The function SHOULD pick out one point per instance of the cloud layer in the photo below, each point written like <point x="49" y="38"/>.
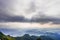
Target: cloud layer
<point x="41" y="11"/>
<point x="18" y="17"/>
<point x="20" y="32"/>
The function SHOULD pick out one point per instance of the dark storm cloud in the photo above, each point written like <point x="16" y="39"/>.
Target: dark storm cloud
<point x="43" y="18"/>
<point x="7" y="18"/>
<point x="47" y="20"/>
<point x="5" y="14"/>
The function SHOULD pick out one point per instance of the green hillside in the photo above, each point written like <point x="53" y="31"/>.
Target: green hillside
<point x="26" y="37"/>
<point x="4" y="37"/>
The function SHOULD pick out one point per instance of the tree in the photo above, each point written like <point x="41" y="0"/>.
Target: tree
<point x="38" y="38"/>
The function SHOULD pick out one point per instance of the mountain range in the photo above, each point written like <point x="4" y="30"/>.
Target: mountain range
<point x="45" y="36"/>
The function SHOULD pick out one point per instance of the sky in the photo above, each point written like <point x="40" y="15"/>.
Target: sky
<point x="29" y="14"/>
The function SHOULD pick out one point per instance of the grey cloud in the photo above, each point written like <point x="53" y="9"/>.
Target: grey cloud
<point x="5" y="14"/>
<point x="7" y="18"/>
<point x="47" y="20"/>
<point x="32" y="7"/>
<point x="42" y="19"/>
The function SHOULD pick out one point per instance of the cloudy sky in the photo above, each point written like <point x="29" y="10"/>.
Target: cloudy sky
<point x="29" y="14"/>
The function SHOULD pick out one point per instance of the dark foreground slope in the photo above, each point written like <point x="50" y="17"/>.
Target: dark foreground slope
<point x="5" y="37"/>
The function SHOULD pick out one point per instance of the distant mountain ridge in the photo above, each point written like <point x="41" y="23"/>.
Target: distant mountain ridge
<point x="45" y="36"/>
